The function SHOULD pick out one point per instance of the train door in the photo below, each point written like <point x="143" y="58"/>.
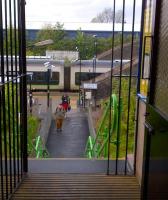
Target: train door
<point x="67" y="79"/>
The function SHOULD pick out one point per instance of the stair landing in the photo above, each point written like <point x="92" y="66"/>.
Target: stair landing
<point x="77" y="186"/>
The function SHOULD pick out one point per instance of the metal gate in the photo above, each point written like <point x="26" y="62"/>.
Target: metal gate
<point x="13" y="100"/>
<point x="118" y="145"/>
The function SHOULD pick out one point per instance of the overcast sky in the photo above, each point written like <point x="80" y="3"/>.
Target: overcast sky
<point x="73" y="10"/>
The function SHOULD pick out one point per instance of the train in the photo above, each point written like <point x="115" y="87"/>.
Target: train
<point x="63" y="76"/>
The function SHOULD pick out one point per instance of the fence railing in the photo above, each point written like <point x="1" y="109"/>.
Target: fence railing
<point x="13" y="100"/>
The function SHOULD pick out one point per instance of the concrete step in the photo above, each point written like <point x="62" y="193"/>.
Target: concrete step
<point x="75" y="165"/>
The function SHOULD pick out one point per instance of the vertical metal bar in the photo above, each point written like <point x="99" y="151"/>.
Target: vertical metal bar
<point x="20" y="90"/>
<point x="16" y="84"/>
<point x="1" y="132"/>
<point x="111" y="85"/>
<point x="13" y="104"/>
<point x="120" y="88"/>
<point x="129" y="86"/>
<point x="3" y="99"/>
<point x="141" y="45"/>
<point x="1" y="103"/>
<point x="24" y="93"/>
<point x="7" y="13"/>
<point x="5" y="134"/>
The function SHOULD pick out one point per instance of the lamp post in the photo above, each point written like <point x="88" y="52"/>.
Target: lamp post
<point x="80" y="64"/>
<point x="30" y="93"/>
<point x="94" y="64"/>
<point x="95" y="56"/>
<point x="49" y="75"/>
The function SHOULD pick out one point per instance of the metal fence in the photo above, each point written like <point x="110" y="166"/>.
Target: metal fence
<point x="120" y="81"/>
<point x="13" y="109"/>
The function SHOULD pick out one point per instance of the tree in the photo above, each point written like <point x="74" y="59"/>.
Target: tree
<point x="106" y="16"/>
<point x="56" y="33"/>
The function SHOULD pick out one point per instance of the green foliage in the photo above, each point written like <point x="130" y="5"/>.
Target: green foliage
<point x="84" y="42"/>
<point x="56" y="33"/>
<point x="33" y="126"/>
<point x="12" y="124"/>
<point x="11" y="116"/>
<point x="124" y="117"/>
<point x="11" y="40"/>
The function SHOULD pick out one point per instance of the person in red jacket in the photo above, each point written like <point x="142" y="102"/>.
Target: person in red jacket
<point x="66" y="102"/>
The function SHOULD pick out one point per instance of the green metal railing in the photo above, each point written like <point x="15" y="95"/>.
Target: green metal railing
<point x="41" y="152"/>
<point x="38" y="150"/>
<point x="98" y="146"/>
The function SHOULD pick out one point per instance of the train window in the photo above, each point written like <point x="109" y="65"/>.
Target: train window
<point x="85" y="76"/>
<point x="41" y="78"/>
<point x="55" y="78"/>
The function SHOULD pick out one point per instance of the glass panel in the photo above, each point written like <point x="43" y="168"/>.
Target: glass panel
<point x="147" y="45"/>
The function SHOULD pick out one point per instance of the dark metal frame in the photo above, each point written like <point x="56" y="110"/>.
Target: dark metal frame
<point x="155" y="25"/>
<point x="121" y="76"/>
<point x="150" y="97"/>
<point x="13" y="96"/>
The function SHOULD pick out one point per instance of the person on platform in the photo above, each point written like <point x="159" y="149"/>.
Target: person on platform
<point x="66" y="102"/>
<point x="59" y="116"/>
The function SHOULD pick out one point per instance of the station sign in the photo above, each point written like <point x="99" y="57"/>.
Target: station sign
<point x="91" y="86"/>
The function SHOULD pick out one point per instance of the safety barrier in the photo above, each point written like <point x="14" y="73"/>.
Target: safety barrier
<point x="98" y="146"/>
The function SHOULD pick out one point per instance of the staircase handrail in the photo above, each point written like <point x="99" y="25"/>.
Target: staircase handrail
<point x="92" y="143"/>
<point x="39" y="149"/>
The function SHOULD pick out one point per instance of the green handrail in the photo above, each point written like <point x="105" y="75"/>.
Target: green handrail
<point x="95" y="146"/>
<point x="41" y="152"/>
<point x="90" y="146"/>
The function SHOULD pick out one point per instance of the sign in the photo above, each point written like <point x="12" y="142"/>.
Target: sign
<point x="88" y="95"/>
<point x="91" y="86"/>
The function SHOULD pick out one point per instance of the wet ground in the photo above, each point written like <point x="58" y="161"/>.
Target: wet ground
<point x="71" y="142"/>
